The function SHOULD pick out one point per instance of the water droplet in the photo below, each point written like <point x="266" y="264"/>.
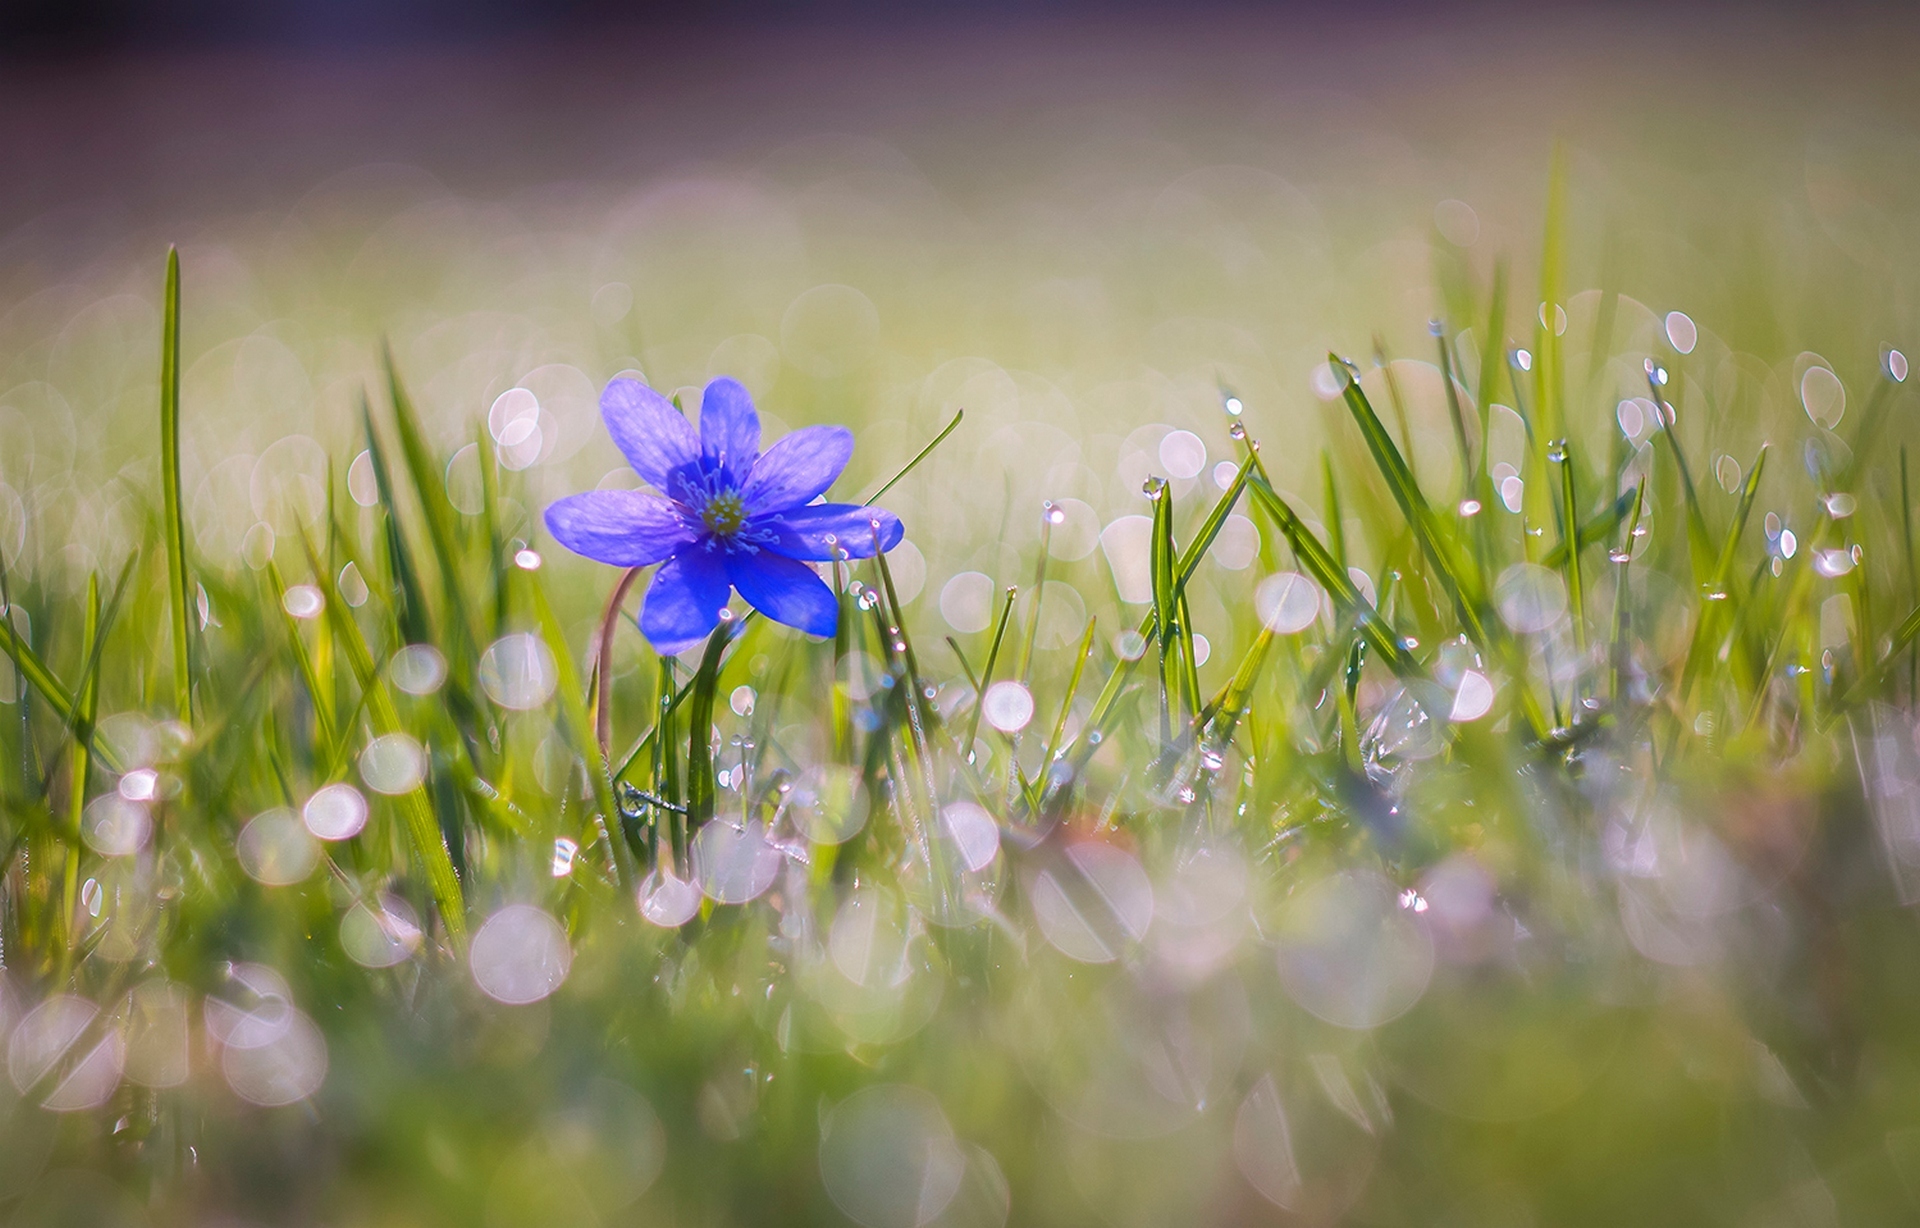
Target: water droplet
<point x="335" y="812"/>
<point x="1233" y="405"/>
<point x="380" y="934"/>
<point x="1681" y="332"/>
<point x="828" y="804"/>
<point x="520" y="955"/>
<point x="527" y="560"/>
<point x="112" y="826"/>
<point x="1469" y="507"/>
<point x="1895" y="364"/>
<point x="1512" y="491"/>
<point x="417" y="669"/>
<point x="140" y="785"/>
<point x="393" y="764"/>
<point x="1237" y="432"/>
<point x="1007" y="706"/>
<point x="667" y="901"/>
<point x="303" y="601"/>
<point x="889" y="1159"/>
<point x="518" y="672"/>
<point x="1287" y="601"/>
<point x="1520" y="359"/>
<point x="1840" y="505"/>
<point x="353" y="589"/>
<point x="972" y="832"/>
<point x="1726" y="471"/>
<point x="564" y="852"/>
<point x="1557" y="452"/>
<point x="1154" y="487"/>
<point x="742" y="700"/>
<point x="1832" y="563"/>
<point x="1435" y="328"/>
<point x="1618" y="556"/>
<point x="1473" y="698"/>
<point x="1092" y="920"/>
<point x="276" y="849"/>
<point x="734" y="864"/>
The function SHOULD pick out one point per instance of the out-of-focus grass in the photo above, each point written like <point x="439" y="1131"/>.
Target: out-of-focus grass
<point x="1486" y="798"/>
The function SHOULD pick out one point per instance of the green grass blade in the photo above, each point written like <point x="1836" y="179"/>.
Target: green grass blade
<point x="416" y="809"/>
<point x="919" y="456"/>
<point x="1319" y="564"/>
<point x="706" y="680"/>
<point x="175" y="525"/>
<point x="1460" y="587"/>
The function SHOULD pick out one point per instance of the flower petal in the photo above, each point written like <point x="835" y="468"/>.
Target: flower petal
<point x="626" y="528"/>
<point x="785" y="591"/>
<point x="684" y="604"/>
<point x="802" y="533"/>
<point x="656" y="438"/>
<point x="729" y="431"/>
<point x="797" y="469"/>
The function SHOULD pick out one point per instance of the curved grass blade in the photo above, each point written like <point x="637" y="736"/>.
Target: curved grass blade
<point x="1461" y="588"/>
<point x="175" y="526"/>
<point x="700" y="781"/>
<point x="919" y="456"/>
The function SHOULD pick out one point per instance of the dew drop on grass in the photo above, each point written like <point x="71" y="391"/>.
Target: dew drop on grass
<point x="1092" y="901"/>
<point x="353" y="589"/>
<point x="1788" y="543"/>
<point x="666" y="900"/>
<point x="1184" y="454"/>
<point x="335" y="812"/>
<point x="417" y="669"/>
<point x="1833" y="563"/>
<point x="393" y="763"/>
<point x="1287" y="602"/>
<point x="362" y="483"/>
<point x="112" y="826"/>
<point x="1530" y="598"/>
<point x="966" y="602"/>
<point x="889" y="1158"/>
<point x="1824" y="396"/>
<point x="527" y="560"/>
<point x="1512" y="490"/>
<point x="1632" y="421"/>
<point x="140" y="785"/>
<point x="867" y="941"/>
<point x="1681" y="332"/>
<point x="1840" y="505"/>
<point x="1473" y="699"/>
<point x="520" y="955"/>
<point x="734" y="864"/>
<point x="1895" y="365"/>
<point x="972" y="833"/>
<point x="276" y="849"/>
<point x="285" y="1070"/>
<point x="1726" y="471"/>
<point x="828" y="804"/>
<point x="1007" y="706"/>
<point x="303" y="601"/>
<point x="741" y="701"/>
<point x="380" y="933"/>
<point x="517" y="671"/>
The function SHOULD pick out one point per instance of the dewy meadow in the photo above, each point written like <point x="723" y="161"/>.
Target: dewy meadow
<point x="1256" y="769"/>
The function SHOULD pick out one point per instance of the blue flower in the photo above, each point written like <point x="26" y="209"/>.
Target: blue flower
<point x="726" y="516"/>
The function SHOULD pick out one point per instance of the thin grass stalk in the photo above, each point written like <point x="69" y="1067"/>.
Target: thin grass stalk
<point x="171" y="512"/>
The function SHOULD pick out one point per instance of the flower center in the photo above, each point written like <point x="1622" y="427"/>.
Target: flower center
<point x="724" y="514"/>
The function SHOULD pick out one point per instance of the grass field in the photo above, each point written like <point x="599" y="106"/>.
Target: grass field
<point x="1395" y="705"/>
